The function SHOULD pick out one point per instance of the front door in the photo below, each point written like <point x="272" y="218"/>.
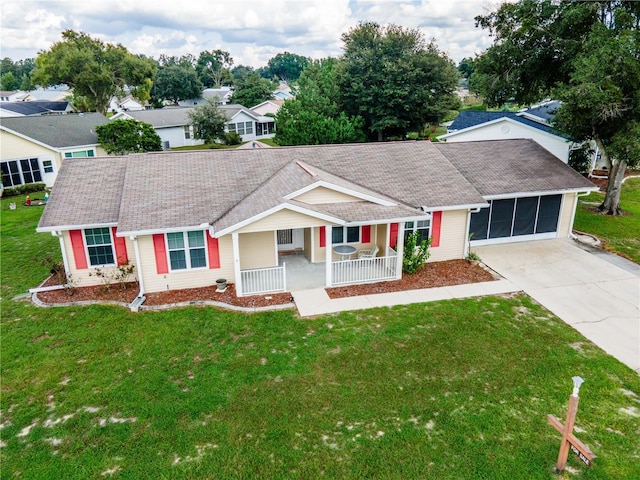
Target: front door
<point x="290" y="239"/>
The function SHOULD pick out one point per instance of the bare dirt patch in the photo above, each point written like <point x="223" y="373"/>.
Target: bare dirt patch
<point x="437" y="274"/>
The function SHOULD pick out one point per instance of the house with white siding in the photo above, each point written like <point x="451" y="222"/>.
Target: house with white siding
<point x="186" y="219"/>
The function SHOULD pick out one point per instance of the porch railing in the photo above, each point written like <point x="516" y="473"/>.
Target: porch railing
<point x="365" y="270"/>
<point x="264" y="280"/>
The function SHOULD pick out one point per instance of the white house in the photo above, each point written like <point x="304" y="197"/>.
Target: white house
<point x="270" y="107"/>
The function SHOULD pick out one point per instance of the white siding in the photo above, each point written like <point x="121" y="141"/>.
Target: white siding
<point x="566" y="215"/>
<point x="505" y="130"/>
<point x="175" y="137"/>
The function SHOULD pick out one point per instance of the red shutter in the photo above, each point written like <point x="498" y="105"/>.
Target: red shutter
<point x="366" y="233"/>
<point x="77" y="245"/>
<point x="393" y="235"/>
<point x="121" y="248"/>
<point x="436" y="221"/>
<point x="323" y="236"/>
<point x="161" y="253"/>
<point x="214" y="251"/>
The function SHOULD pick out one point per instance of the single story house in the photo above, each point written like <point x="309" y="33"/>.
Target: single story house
<point x="186" y="219"/>
<point x="32" y="148"/>
<point x="221" y="95"/>
<point x="534" y="123"/>
<point x="271" y="107"/>
<point x="35" y="107"/>
<point x="172" y="124"/>
<point x="125" y="104"/>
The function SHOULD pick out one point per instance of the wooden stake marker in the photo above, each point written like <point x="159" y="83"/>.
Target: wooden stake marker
<point x="569" y="440"/>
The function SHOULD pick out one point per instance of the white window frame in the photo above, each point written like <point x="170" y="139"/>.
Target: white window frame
<point x="47" y="166"/>
<point x="187" y="251"/>
<point x="87" y="247"/>
<point x="88" y="153"/>
<point x="187" y="132"/>
<point x="415" y="227"/>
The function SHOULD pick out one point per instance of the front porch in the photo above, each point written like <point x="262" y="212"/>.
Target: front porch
<point x="296" y="272"/>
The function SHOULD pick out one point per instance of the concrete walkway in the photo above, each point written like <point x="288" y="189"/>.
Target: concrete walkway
<point x="597" y="293"/>
<point x="317" y="302"/>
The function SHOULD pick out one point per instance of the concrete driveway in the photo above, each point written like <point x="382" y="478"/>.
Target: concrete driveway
<point x="592" y="293"/>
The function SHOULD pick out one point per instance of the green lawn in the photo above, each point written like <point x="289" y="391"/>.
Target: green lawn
<point x="446" y="390"/>
<point x="619" y="234"/>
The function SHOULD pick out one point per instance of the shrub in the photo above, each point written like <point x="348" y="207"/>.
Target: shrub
<point x="231" y="138"/>
<point x="119" y="275"/>
<point x="415" y="256"/>
<point x="580" y="158"/>
<point x="24" y="189"/>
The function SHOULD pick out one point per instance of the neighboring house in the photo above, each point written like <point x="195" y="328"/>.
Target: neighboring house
<point x="125" y="104"/>
<point x="271" y="107"/>
<point x="247" y="124"/>
<point x="33" y="148"/>
<point x="13" y="96"/>
<point x="51" y="94"/>
<point x="283" y="92"/>
<point x="36" y="107"/>
<point x="222" y="96"/>
<point x="170" y="123"/>
<point x="534" y="123"/>
<point x="186" y="219"/>
<point x="173" y="124"/>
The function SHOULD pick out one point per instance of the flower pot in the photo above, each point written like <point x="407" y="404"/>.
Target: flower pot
<point x="221" y="283"/>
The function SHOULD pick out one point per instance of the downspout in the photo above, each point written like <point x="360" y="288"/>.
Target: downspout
<point x="573" y="214"/>
<point x="467" y="241"/>
<point x="138" y="263"/>
<point x="65" y="260"/>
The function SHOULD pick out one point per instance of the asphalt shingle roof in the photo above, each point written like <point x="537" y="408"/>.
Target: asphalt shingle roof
<point x="59" y="131"/>
<point x="498" y="167"/>
<point x="173" y="190"/>
<point x="36" y="107"/>
<point x="471" y="118"/>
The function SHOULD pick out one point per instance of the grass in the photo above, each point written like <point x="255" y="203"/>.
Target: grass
<point x="205" y="146"/>
<point x="446" y="390"/>
<point x="619" y="234"/>
<point x="268" y="141"/>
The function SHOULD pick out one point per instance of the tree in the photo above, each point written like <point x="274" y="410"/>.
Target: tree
<point x="395" y="80"/>
<point x="9" y="82"/>
<point x="287" y="67"/>
<point x="239" y="73"/>
<point x="208" y="121"/>
<point x="121" y="137"/>
<point x="176" y="81"/>
<point x="252" y="90"/>
<point x="314" y="116"/>
<point x="586" y="54"/>
<point x="213" y="68"/>
<point x="91" y="68"/>
<point x="465" y="67"/>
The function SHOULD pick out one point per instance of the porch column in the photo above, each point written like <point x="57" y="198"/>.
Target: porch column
<point x="328" y="257"/>
<point x="65" y="260"/>
<point x="136" y="249"/>
<point x="400" y="249"/>
<point x="236" y="263"/>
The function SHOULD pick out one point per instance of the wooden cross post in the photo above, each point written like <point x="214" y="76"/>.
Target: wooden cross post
<point x="569" y="441"/>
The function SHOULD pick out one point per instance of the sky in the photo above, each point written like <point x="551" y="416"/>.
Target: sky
<point x="251" y="31"/>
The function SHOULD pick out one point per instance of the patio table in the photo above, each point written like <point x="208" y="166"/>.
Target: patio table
<point x="345" y="251"/>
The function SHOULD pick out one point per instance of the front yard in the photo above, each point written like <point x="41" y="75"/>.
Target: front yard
<point x="447" y="390"/>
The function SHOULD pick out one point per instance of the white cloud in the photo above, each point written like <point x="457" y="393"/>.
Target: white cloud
<point x="251" y="30"/>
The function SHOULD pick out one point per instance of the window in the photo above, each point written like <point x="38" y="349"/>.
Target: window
<point x="338" y="234"/>
<point x="48" y="166"/>
<point x="100" y="246"/>
<point x="187" y="132"/>
<point x="421" y="226"/>
<point x="80" y="154"/>
<point x="19" y="172"/>
<point x="186" y="250"/>
<point x="241" y="128"/>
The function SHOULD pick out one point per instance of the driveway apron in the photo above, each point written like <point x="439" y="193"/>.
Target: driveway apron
<point x="594" y="296"/>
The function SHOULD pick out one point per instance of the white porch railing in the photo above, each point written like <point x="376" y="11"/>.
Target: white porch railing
<point x="364" y="270"/>
<point x="264" y="280"/>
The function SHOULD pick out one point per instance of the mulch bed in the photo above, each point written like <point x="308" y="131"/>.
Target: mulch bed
<point x="437" y="274"/>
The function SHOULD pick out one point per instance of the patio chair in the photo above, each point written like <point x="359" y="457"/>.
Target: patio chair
<point x="371" y="253"/>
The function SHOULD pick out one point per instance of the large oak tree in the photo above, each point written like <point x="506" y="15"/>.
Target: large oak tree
<point x="395" y="80"/>
<point x="92" y="69"/>
<point x="586" y="54"/>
